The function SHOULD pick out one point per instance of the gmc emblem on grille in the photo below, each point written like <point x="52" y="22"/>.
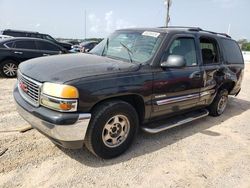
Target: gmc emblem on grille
<point x="23" y="86"/>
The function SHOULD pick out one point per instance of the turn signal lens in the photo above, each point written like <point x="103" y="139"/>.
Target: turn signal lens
<point x="62" y="105"/>
<point x="60" y="91"/>
<point x="65" y="106"/>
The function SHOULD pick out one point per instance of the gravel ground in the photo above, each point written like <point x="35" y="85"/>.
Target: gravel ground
<point x="211" y="152"/>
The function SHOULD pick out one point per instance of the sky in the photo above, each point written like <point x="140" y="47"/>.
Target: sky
<point x="65" y="18"/>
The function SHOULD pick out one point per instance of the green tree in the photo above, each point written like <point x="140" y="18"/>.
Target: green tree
<point x="246" y="46"/>
<point x="242" y="41"/>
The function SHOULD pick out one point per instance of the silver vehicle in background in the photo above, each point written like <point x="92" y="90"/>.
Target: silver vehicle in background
<point x="5" y="37"/>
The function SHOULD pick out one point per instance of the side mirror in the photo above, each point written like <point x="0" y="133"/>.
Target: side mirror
<point x="174" y="61"/>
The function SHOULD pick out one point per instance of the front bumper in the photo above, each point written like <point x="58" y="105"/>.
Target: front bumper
<point x="65" y="129"/>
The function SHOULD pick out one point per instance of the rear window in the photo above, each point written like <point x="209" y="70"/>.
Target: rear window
<point x="232" y="52"/>
<point x="25" y="45"/>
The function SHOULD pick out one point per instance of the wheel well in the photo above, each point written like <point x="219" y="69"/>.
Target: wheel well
<point x="136" y="101"/>
<point x="228" y="86"/>
<point x="9" y="58"/>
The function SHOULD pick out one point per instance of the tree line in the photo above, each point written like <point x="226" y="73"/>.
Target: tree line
<point x="244" y="44"/>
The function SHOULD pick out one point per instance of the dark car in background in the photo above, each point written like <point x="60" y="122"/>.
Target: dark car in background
<point x="19" y="33"/>
<point x="84" y="47"/>
<point x="87" y="46"/>
<point x="16" y="50"/>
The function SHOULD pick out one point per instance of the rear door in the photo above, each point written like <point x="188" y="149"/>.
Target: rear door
<point x="177" y="89"/>
<point x="24" y="50"/>
<point x="48" y="48"/>
<point x="233" y="60"/>
<point x="211" y="66"/>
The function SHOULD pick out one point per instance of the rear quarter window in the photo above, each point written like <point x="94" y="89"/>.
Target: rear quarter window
<point x="232" y="52"/>
<point x="9" y="44"/>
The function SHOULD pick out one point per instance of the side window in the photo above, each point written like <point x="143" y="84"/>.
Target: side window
<point x="9" y="44"/>
<point x="183" y="47"/>
<point x="14" y="34"/>
<point x="47" y="46"/>
<point x="33" y="35"/>
<point x="22" y="44"/>
<point x="209" y="51"/>
<point x="47" y="37"/>
<point x="232" y="52"/>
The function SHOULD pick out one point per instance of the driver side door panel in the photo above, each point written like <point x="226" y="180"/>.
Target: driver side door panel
<point x="177" y="89"/>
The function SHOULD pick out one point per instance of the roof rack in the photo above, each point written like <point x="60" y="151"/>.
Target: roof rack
<point x="181" y="27"/>
<point x="215" y="33"/>
<point x="197" y="29"/>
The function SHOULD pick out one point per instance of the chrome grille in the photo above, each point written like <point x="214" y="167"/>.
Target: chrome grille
<point x="29" y="89"/>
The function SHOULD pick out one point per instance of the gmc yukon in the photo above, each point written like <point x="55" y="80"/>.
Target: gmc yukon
<point x="150" y="78"/>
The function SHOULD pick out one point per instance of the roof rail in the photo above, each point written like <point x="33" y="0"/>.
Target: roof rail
<point x="181" y="27"/>
<point x="197" y="29"/>
<point x="215" y="33"/>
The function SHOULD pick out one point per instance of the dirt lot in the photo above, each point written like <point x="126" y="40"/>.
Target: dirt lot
<point x="212" y="152"/>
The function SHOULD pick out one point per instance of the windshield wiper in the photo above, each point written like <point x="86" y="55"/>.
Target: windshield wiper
<point x="129" y="52"/>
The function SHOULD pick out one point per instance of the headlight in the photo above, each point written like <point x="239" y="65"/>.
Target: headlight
<point x="59" y="97"/>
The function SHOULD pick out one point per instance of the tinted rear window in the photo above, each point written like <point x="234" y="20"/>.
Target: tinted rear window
<point x="25" y="45"/>
<point x="232" y="52"/>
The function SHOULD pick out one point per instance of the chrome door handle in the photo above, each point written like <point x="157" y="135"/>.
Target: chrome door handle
<point x="45" y="54"/>
<point x="195" y="75"/>
<point x="18" y="52"/>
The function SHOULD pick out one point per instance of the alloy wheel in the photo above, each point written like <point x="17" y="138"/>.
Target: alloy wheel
<point x="9" y="69"/>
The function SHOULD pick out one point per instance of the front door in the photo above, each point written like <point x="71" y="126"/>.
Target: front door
<point x="176" y="89"/>
<point x="47" y="48"/>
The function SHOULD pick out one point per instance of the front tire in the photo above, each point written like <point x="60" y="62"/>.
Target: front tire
<point x="112" y="129"/>
<point x="8" y="68"/>
<point x="219" y="104"/>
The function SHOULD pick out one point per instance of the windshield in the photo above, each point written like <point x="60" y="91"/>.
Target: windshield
<point x="47" y="37"/>
<point x="133" y="46"/>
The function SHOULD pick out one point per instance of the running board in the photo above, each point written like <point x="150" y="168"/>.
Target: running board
<point x="175" y="121"/>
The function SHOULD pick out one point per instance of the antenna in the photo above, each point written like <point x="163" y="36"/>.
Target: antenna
<point x="85" y="23"/>
<point x="168" y="4"/>
<point x="229" y="29"/>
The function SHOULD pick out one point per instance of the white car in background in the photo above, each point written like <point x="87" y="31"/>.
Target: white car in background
<point x="5" y="37"/>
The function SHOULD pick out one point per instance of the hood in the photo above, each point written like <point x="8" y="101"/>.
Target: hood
<point x="63" y="68"/>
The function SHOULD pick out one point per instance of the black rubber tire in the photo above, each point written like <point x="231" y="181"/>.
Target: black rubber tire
<point x="213" y="108"/>
<point x="2" y="66"/>
<point x="100" y="115"/>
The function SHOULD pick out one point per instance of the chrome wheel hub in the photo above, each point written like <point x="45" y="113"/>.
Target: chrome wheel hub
<point x="10" y="69"/>
<point x="115" y="131"/>
<point x="222" y="104"/>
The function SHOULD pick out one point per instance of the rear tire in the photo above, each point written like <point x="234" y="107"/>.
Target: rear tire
<point x="219" y="104"/>
<point x="112" y="129"/>
<point x="8" y="68"/>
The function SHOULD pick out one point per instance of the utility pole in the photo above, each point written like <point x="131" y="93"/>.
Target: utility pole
<point x="229" y="29"/>
<point x="85" y="24"/>
<point x="168" y="4"/>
